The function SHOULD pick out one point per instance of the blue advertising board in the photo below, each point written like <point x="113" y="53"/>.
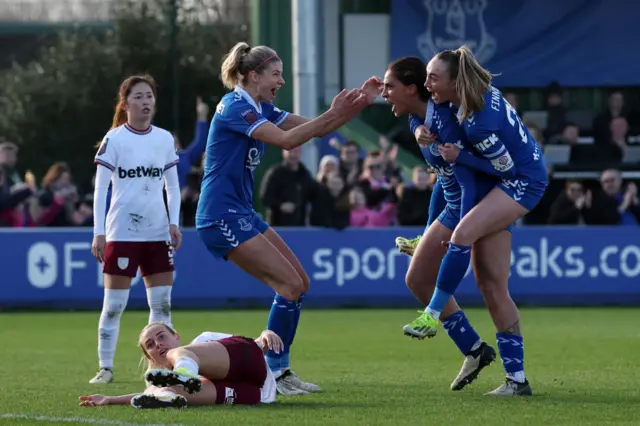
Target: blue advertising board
<point x="529" y="42"/>
<point x="54" y="268"/>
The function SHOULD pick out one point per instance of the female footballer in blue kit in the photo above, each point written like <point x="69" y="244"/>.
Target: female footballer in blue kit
<point x="496" y="132"/>
<point x="456" y="191"/>
<point x="244" y="121"/>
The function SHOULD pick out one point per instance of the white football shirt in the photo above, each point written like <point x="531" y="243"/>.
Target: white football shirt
<point x="138" y="161"/>
<point x="268" y="390"/>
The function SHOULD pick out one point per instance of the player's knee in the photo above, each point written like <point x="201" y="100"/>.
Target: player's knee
<point x="113" y="309"/>
<point x="292" y="289"/>
<point x="111" y="314"/>
<point x="159" y="300"/>
<point x="417" y="283"/>
<point x="173" y="355"/>
<point x="464" y="235"/>
<point x="292" y="293"/>
<point x="161" y="308"/>
<point x="411" y="281"/>
<point x="306" y="282"/>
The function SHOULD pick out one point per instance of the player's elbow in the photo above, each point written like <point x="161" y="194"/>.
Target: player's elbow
<point x="289" y="142"/>
<point x="284" y="140"/>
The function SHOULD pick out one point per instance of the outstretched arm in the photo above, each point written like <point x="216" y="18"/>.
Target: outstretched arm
<point x="292" y="121"/>
<point x="371" y="89"/>
<point x="101" y="400"/>
<point x="345" y="106"/>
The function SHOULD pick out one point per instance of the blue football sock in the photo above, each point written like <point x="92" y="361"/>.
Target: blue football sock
<point x="281" y="320"/>
<point x="296" y="319"/>
<point x="452" y="269"/>
<point x="511" y="348"/>
<point x="285" y="362"/>
<point x="461" y="332"/>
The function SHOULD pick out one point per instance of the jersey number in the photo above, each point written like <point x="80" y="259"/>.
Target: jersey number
<point x="513" y="118"/>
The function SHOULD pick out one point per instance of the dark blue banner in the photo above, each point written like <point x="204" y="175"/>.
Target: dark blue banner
<point x="54" y="268"/>
<point x="530" y="42"/>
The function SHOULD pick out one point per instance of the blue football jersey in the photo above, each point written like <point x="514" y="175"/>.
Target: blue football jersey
<point x="498" y="134"/>
<point x="463" y="187"/>
<point x="442" y="169"/>
<point x="232" y="155"/>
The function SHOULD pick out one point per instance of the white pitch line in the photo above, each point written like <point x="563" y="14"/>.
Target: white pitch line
<point x="89" y="420"/>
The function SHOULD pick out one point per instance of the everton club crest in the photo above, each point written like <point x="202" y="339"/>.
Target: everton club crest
<point x="452" y="23"/>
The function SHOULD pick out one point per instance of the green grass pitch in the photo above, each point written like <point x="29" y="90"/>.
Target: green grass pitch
<point x="582" y="365"/>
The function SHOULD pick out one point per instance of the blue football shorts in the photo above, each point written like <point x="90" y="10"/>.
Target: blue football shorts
<point x="223" y="235"/>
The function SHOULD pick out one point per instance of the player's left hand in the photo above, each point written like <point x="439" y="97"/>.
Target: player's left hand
<point x="349" y="103"/>
<point x="176" y="237"/>
<point x="424" y="137"/>
<point x="449" y="152"/>
<point x="372" y="88"/>
<point x="94" y="400"/>
<point x="271" y="340"/>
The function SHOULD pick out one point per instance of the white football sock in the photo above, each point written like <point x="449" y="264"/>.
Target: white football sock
<point x="518" y="376"/>
<point x="113" y="305"/>
<point x="159" y="299"/>
<point x="188" y="364"/>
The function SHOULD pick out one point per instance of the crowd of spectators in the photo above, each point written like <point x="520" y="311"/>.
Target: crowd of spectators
<point x="355" y="188"/>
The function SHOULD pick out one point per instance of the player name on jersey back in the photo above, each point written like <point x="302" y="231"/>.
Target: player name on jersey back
<point x="138" y="161"/>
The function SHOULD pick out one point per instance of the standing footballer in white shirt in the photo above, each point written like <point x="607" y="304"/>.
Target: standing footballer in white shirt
<point x="138" y="159"/>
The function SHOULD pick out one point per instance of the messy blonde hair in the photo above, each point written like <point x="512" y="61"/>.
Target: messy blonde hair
<point x="146" y="360"/>
<point x="472" y="80"/>
<point x="242" y="59"/>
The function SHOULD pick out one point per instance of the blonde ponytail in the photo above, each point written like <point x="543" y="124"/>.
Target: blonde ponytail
<point x="472" y="82"/>
<point x="230" y="70"/>
<point x="242" y="59"/>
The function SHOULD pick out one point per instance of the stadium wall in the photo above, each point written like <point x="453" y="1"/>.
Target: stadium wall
<point x="53" y="268"/>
